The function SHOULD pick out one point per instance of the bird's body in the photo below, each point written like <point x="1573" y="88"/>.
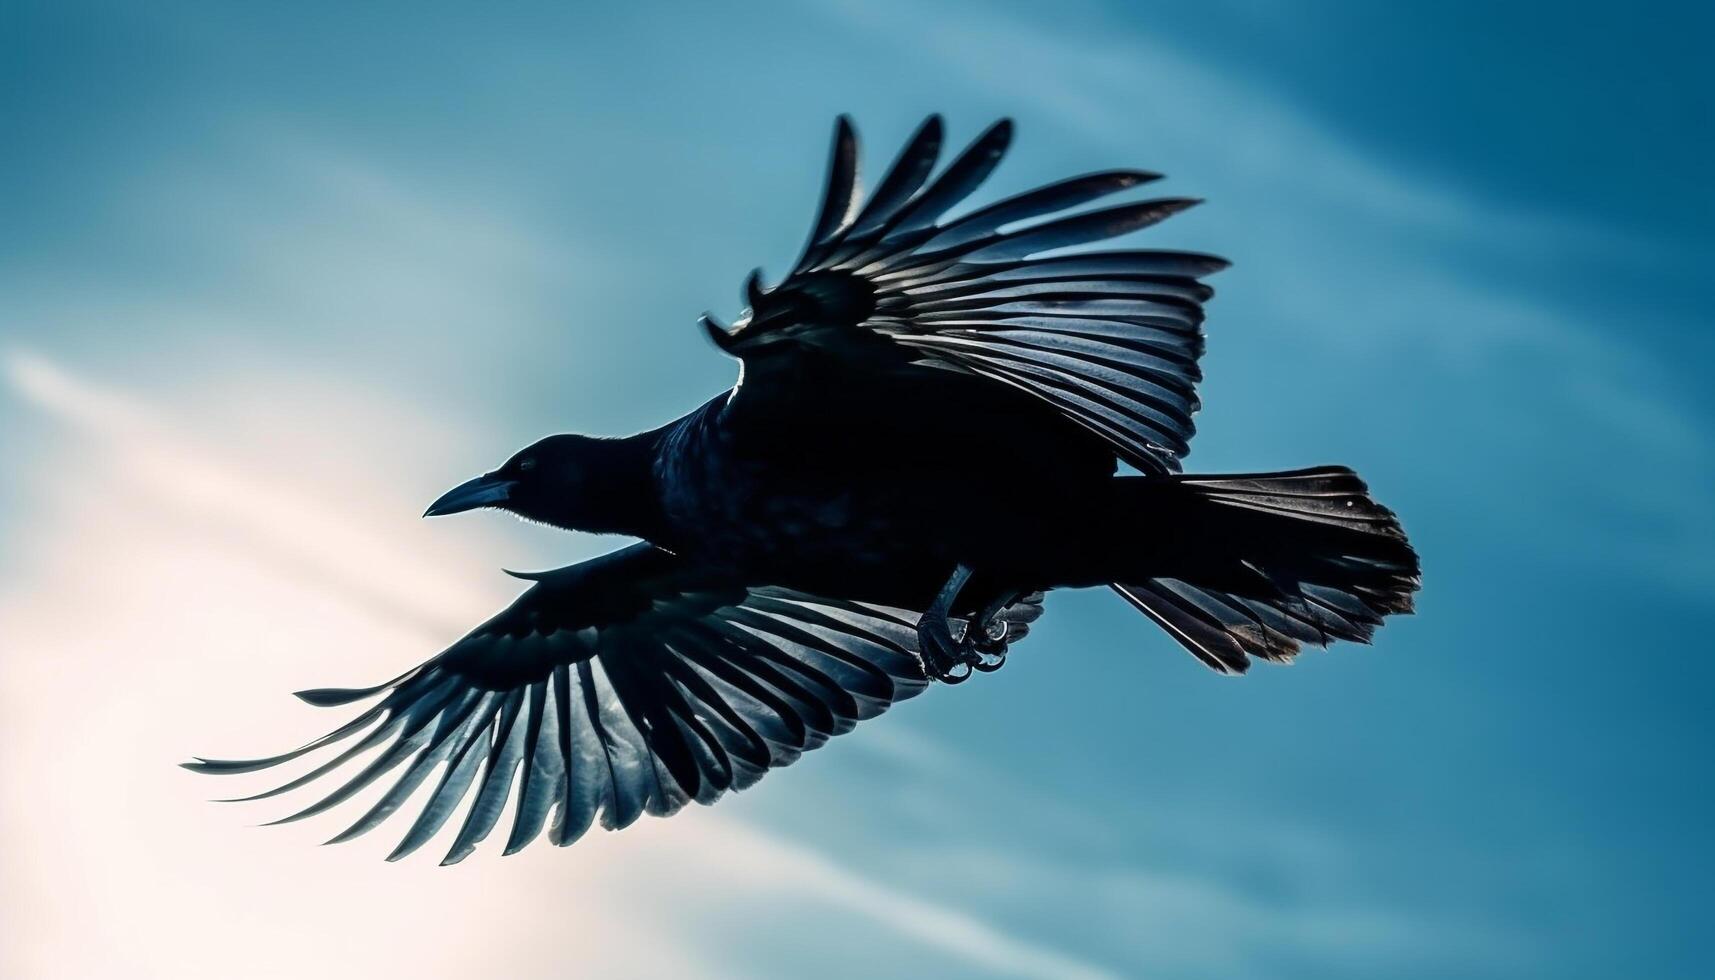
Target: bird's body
<point x="927" y="435"/>
<point x="878" y="497"/>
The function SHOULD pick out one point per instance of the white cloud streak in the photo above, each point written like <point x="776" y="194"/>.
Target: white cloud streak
<point x="1128" y="88"/>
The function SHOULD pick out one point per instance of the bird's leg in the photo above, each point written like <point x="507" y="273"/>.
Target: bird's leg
<point x="943" y="656"/>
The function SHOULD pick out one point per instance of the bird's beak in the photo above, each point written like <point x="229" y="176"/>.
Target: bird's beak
<point x="484" y="491"/>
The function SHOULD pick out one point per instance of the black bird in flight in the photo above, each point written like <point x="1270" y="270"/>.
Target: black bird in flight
<point x="924" y="439"/>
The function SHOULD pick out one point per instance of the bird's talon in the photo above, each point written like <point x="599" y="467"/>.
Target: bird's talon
<point x="991" y="639"/>
<point x="956" y="676"/>
<point x="946" y="658"/>
<point x="953" y="659"/>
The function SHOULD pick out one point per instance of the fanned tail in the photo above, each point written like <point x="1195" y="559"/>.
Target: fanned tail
<point x="1257" y="565"/>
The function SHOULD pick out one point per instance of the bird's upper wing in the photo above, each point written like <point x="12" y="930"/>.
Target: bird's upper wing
<point x="631" y="683"/>
<point x="1109" y="339"/>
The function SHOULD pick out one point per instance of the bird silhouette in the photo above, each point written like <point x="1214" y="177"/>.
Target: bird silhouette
<point x="927" y="435"/>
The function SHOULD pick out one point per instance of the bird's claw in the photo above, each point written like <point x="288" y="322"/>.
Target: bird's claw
<point x="989" y="644"/>
<point x="952" y="660"/>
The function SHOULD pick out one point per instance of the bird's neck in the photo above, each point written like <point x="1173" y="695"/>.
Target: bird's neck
<point x="624" y="500"/>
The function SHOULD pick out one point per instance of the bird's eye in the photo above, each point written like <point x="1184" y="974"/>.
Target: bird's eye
<point x="526" y="464"/>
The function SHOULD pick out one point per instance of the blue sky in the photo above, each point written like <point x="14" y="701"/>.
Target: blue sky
<point x="272" y="279"/>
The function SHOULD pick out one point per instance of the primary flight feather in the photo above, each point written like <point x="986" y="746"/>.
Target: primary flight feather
<point x="926" y="438"/>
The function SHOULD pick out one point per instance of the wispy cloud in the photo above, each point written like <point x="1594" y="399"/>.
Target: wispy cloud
<point x="1127" y="88"/>
<point x="1186" y="901"/>
<point x="976" y="943"/>
<point x="159" y="469"/>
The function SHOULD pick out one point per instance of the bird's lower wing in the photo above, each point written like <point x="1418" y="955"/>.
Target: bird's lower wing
<point x="632" y="683"/>
<point x="1109" y="340"/>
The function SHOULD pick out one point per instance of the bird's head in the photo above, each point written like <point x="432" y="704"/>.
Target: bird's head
<point x="559" y="480"/>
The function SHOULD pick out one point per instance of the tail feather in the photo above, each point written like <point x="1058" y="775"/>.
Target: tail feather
<point x="1264" y="563"/>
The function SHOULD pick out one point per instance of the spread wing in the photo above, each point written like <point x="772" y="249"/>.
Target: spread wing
<point x="1108" y="339"/>
<point x="628" y="684"/>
